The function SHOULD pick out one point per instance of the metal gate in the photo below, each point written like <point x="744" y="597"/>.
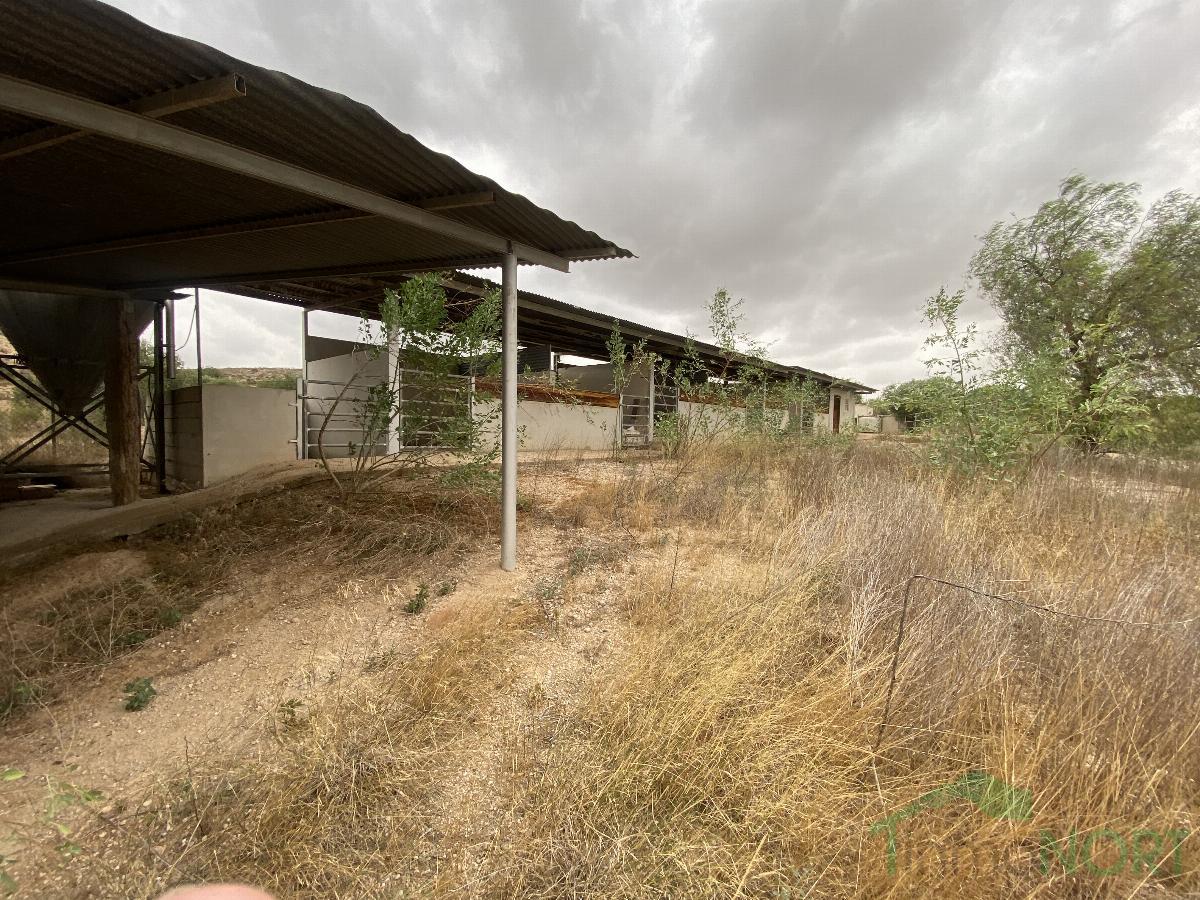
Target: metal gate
<point x="429" y="405"/>
<point x="637" y="420"/>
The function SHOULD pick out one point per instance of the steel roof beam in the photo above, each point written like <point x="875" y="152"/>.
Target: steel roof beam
<point x="40" y="102"/>
<point x="231" y="229"/>
<point x="227" y="229"/>
<point x="458" y="201"/>
<point x="392" y="267"/>
<point x="201" y="93"/>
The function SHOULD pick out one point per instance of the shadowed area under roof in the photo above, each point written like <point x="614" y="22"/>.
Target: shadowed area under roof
<point x="102" y="212"/>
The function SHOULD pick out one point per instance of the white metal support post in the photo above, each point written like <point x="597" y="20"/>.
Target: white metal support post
<point x="302" y="391"/>
<point x="508" y="431"/>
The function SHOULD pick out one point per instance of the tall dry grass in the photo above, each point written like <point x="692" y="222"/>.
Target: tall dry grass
<point x="735" y="752"/>
<point x="730" y="749"/>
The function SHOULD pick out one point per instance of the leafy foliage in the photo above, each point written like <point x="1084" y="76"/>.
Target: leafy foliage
<point x="917" y="402"/>
<point x="1000" y="419"/>
<point x="737" y="395"/>
<point x="138" y="694"/>
<point x="1113" y="293"/>
<point x="425" y="403"/>
<point x="418" y="601"/>
<point x="1174" y="428"/>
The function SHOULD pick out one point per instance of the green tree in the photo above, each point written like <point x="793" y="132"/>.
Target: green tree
<point x="1109" y="290"/>
<point x="998" y="410"/>
<point x="426" y="401"/>
<point x="916" y="402"/>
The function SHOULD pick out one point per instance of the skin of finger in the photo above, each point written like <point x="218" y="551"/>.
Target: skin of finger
<point x="216" y="892"/>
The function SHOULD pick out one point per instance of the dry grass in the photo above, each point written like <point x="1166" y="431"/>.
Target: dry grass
<point x="729" y="750"/>
<point x="734" y="753"/>
<point x="341" y="804"/>
<point x="47" y="646"/>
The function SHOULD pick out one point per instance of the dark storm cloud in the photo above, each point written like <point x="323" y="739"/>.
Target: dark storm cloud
<point x="832" y="163"/>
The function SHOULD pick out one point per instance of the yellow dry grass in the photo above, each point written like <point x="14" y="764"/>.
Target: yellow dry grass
<point x="729" y="750"/>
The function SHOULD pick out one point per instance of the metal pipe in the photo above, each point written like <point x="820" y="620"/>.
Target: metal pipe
<point x="302" y="389"/>
<point x="651" y="401"/>
<point x="508" y="463"/>
<point x="199" y="363"/>
<point x="160" y="398"/>
<point x="170" y="338"/>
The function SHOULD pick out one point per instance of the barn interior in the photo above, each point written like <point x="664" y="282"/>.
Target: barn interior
<point x="136" y="162"/>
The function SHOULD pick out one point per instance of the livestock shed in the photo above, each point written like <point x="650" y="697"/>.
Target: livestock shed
<point x="136" y="162"/>
<point x="564" y="405"/>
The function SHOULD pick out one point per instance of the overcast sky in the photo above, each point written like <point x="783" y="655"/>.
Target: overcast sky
<point x="831" y="162"/>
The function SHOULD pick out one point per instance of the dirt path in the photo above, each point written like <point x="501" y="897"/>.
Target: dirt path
<point x="583" y="634"/>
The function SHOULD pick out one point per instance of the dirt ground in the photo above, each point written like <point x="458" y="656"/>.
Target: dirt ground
<point x="275" y="639"/>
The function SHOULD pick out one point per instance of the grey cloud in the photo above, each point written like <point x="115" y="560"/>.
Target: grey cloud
<point x="831" y="162"/>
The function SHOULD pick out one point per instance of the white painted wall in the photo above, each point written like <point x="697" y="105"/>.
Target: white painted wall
<point x="848" y="400"/>
<point x="710" y="417"/>
<point x="245" y="427"/>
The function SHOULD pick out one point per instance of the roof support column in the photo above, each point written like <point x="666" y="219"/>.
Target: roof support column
<point x="302" y="391"/>
<point x="121" y="404"/>
<point x="159" y="395"/>
<point x="508" y="431"/>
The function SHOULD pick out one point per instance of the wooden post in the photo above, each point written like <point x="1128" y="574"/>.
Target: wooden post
<point x="121" y="404"/>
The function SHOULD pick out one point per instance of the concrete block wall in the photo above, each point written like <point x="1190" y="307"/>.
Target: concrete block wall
<point x="218" y="431"/>
<point x="185" y="438"/>
<point x="246" y="427"/>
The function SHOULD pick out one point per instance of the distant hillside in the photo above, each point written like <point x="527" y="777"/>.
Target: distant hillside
<point x="257" y="375"/>
<point x="251" y="376"/>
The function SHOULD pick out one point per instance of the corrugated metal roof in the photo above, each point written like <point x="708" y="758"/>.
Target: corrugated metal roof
<point x="96" y="189"/>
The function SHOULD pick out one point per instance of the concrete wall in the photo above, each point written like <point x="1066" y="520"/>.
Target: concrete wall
<point x="848" y="401"/>
<point x="712" y="418"/>
<point x="246" y="427"/>
<point x="597" y="377"/>
<point x="223" y="430"/>
<point x="554" y="426"/>
<point x="184" y="438"/>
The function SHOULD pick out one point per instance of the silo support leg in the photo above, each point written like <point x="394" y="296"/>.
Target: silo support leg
<point x="121" y="405"/>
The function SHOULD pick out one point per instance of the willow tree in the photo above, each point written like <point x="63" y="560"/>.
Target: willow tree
<point x="1109" y="288"/>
